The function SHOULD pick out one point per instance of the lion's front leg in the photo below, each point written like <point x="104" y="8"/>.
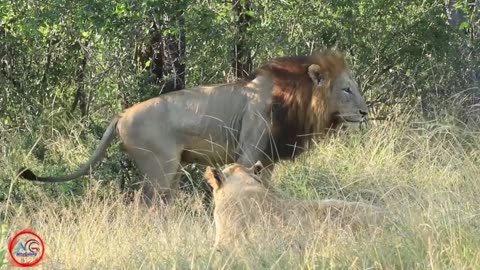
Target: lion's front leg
<point x="253" y="140"/>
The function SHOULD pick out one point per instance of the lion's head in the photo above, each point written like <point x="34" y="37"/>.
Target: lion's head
<point x="311" y="95"/>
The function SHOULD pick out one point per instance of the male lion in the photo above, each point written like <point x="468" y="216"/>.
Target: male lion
<point x="267" y="117"/>
<point x="245" y="205"/>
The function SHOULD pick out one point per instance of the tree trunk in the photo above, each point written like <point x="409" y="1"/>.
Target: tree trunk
<point x="165" y="53"/>
<point x="175" y="46"/>
<point x="472" y="36"/>
<point x="155" y="53"/>
<point x="476" y="48"/>
<point x="151" y="52"/>
<point x="242" y="57"/>
<point x="455" y="16"/>
<point x="80" y="96"/>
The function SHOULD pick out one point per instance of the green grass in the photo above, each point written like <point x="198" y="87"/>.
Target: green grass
<point x="425" y="174"/>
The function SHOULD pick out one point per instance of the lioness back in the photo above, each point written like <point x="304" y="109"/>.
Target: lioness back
<point x="246" y="205"/>
<point x="339" y="213"/>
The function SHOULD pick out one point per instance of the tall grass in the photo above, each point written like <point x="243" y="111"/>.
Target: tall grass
<point x="427" y="175"/>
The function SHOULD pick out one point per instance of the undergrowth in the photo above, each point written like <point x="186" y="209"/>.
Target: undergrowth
<point x="425" y="174"/>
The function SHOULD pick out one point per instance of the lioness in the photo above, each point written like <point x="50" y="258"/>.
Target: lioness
<point x="243" y="200"/>
<point x="267" y="117"/>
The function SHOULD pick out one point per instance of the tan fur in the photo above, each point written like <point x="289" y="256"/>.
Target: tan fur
<point x="267" y="118"/>
<point x="243" y="204"/>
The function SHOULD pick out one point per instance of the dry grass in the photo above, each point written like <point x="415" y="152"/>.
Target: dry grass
<point x="427" y="178"/>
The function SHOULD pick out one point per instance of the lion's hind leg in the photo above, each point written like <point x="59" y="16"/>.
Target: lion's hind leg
<point x="161" y="173"/>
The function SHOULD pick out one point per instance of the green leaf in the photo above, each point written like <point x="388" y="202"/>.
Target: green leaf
<point x="120" y="9"/>
<point x="458" y="5"/>
<point x="86" y="34"/>
<point x="3" y="230"/>
<point x="463" y="26"/>
<point x="249" y="13"/>
<point x="44" y="30"/>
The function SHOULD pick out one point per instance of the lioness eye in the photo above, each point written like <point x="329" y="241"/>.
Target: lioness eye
<point x="348" y="90"/>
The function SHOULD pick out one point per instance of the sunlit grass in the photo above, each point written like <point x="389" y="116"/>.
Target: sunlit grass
<point x="425" y="175"/>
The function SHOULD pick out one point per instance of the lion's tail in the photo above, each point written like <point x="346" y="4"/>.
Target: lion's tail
<point x="85" y="168"/>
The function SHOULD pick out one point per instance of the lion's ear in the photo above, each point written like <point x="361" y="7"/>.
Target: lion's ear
<point x="314" y="71"/>
<point x="215" y="177"/>
<point x="257" y="167"/>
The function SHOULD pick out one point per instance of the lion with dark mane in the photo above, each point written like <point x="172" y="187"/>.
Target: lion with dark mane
<point x="268" y="117"/>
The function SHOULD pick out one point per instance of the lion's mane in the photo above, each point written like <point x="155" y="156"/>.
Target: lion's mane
<point x="299" y="109"/>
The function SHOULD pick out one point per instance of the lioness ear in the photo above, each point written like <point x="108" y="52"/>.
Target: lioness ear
<point x="215" y="177"/>
<point x="315" y="74"/>
<point x="257" y="167"/>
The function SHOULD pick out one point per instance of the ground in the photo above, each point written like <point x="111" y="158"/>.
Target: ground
<point x="426" y="175"/>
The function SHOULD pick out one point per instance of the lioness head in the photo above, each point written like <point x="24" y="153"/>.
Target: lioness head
<point x="241" y="199"/>
<point x="234" y="176"/>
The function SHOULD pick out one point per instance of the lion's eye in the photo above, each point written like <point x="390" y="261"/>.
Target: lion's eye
<point x="347" y="90"/>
